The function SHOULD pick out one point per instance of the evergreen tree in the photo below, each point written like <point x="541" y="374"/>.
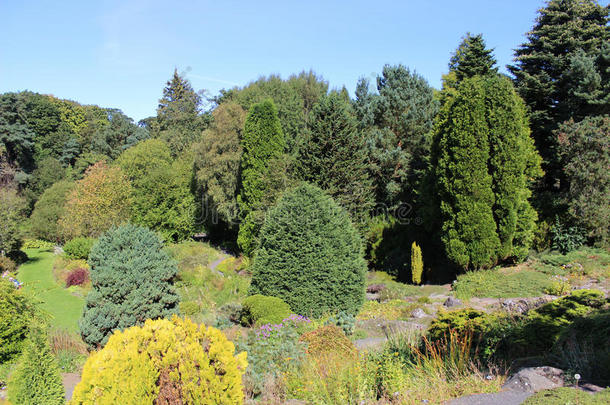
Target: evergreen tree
<point x="333" y="156"/>
<point x="36" y="380"/>
<point x="263" y="141"/>
<point x="554" y="66"/>
<point x="472" y="58"/>
<point x="417" y="264"/>
<point x="178" y="121"/>
<point x="310" y="255"/>
<point x="463" y="183"/>
<point x="217" y="158"/>
<point x="12" y="216"/>
<point x="48" y="210"/>
<point x="132" y="281"/>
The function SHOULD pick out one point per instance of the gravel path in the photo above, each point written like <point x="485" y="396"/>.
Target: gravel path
<point x="510" y="397"/>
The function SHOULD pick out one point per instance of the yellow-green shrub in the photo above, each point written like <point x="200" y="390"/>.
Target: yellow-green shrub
<point x="417" y="264"/>
<point x="260" y="309"/>
<point x="165" y="360"/>
<point x="328" y="340"/>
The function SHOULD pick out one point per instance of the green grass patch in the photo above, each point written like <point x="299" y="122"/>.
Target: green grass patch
<point x="397" y="290"/>
<point x="63" y="308"/>
<point x="595" y="262"/>
<point x="501" y="283"/>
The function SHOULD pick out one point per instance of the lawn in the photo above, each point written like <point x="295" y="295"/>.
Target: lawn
<point x="63" y="308"/>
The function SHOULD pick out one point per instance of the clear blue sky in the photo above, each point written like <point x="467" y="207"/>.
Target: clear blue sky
<point x="121" y="53"/>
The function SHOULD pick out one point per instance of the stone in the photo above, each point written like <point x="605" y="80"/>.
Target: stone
<point x="534" y="379"/>
<point x="372" y="297"/>
<point x="375" y="288"/>
<point x="452" y="302"/>
<point x="418" y="313"/>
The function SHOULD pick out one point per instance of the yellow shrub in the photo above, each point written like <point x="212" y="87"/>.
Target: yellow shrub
<point x="417" y="264"/>
<point x="167" y="361"/>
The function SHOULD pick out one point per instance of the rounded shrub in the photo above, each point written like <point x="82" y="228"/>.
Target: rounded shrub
<point x="310" y="255"/>
<point x="328" y="340"/>
<point x="7" y="265"/>
<point x="164" y="362"/>
<point x="16" y="313"/>
<point x="258" y="309"/>
<point x="36" y="380"/>
<point x="132" y="281"/>
<point x="79" y="248"/>
<point x="78" y="276"/>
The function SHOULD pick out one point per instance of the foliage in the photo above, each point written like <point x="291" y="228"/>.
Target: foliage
<point x="392" y="309"/>
<point x="567" y="395"/>
<point x="259" y="309"/>
<point x="78" y="276"/>
<point x="17" y="311"/>
<point x="263" y="141"/>
<point x="501" y="283"/>
<point x="132" y="281"/>
<point x="36" y="380"/>
<point x="165" y="361"/>
<point x="79" y="248"/>
<point x="48" y="172"/>
<point x="100" y="200"/>
<point x="566" y="239"/>
<point x="49" y="208"/>
<point x="417" y="264"/>
<point x="12" y="210"/>
<point x="310" y="255"/>
<point x="7" y="265"/>
<point x="484" y="160"/>
<point x="396" y="124"/>
<point x="345" y="321"/>
<point x="472" y="58"/>
<point x="332" y="155"/>
<point x="37" y="244"/>
<point x="328" y="341"/>
<point x="546" y="73"/>
<point x="585" y="158"/>
<point x="217" y="161"/>
<point x="161" y="196"/>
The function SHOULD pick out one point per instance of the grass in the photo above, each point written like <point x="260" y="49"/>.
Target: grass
<point x="63" y="308"/>
<point x="397" y="290"/>
<point x="507" y="282"/>
<point x="595" y="262"/>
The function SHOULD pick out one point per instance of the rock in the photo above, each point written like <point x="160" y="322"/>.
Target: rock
<point x="452" y="302"/>
<point x="372" y="297"/>
<point x="58" y="250"/>
<point x="534" y="379"/>
<point x="375" y="288"/>
<point x="524" y="305"/>
<point x="590" y="387"/>
<point x="418" y="313"/>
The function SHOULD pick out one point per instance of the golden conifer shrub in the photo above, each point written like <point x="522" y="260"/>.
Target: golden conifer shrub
<point x="417" y="263"/>
<point x="163" y="362"/>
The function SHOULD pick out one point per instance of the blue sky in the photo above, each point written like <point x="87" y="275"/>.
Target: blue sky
<point x="121" y="53"/>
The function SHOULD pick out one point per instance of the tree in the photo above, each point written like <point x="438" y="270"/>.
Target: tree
<point x="397" y="122"/>
<point x="585" y="161"/>
<point x="118" y="134"/>
<point x="217" y="160"/>
<point x="132" y="281"/>
<point x="97" y="202"/>
<point x="48" y="172"/>
<point x="549" y="72"/>
<point x="17" y="137"/>
<point x="417" y="264"/>
<point x="36" y="380"/>
<point x="12" y="216"/>
<point x="49" y="209"/>
<point x="161" y="195"/>
<point x="17" y="311"/>
<point x="263" y="141"/>
<point x="483" y="162"/>
<point x="332" y="155"/>
<point x="310" y="255"/>
<point x="472" y="58"/>
<point x="178" y="121"/>
<point x="164" y="362"/>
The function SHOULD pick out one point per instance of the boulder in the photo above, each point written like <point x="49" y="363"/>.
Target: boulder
<point x="452" y="302"/>
<point x="418" y="313"/>
<point x="534" y="379"/>
<point x="375" y="288"/>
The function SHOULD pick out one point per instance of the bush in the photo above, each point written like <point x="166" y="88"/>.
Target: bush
<point x="572" y="396"/>
<point x="132" y="281"/>
<point x="36" y="380"/>
<point x="328" y="341"/>
<point x="566" y="239"/>
<point x="77" y="276"/>
<point x="37" y="244"/>
<point x="417" y="264"/>
<point x="164" y="361"/>
<point x="259" y="309"/>
<point x="345" y="321"/>
<point x="310" y="255"/>
<point x="6" y="264"/>
<point x="48" y="210"/>
<point x="79" y="248"/>
<point x="16" y="313"/>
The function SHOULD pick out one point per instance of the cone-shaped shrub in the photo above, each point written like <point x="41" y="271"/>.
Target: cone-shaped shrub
<point x="417" y="264"/>
<point x="310" y="255"/>
<point x="36" y="379"/>
<point x="132" y="281"/>
<point x="164" y="362"/>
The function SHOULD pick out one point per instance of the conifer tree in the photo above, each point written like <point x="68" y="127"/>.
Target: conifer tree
<point x="472" y="58"/>
<point x="554" y="66"/>
<point x="332" y="155"/>
<point x="36" y="380"/>
<point x="132" y="281"/>
<point x="262" y="143"/>
<point x="417" y="264"/>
